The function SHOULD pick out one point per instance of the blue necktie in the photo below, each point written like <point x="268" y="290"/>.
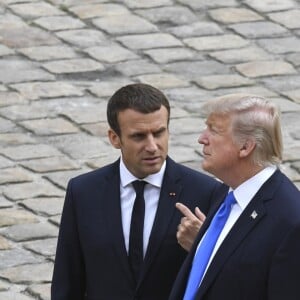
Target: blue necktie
<point x="206" y="247"/>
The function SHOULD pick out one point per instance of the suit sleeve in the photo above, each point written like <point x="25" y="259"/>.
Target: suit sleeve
<point x="284" y="276"/>
<point x="68" y="280"/>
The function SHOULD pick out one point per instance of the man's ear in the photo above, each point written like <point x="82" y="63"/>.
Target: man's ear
<point x="247" y="148"/>
<point x="114" y="139"/>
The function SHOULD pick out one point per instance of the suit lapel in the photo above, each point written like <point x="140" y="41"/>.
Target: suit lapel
<point x="250" y="218"/>
<point x="112" y="211"/>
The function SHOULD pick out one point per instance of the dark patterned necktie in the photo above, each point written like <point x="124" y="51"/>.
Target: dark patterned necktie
<point x="136" y="229"/>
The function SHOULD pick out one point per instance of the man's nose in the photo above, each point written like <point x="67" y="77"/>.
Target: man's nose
<point x="151" y="144"/>
<point x="203" y="137"/>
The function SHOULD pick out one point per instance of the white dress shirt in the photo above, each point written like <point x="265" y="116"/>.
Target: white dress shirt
<point x="243" y="195"/>
<point x="151" y="195"/>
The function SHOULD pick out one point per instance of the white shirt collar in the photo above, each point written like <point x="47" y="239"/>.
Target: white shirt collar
<point x="247" y="190"/>
<point x="127" y="177"/>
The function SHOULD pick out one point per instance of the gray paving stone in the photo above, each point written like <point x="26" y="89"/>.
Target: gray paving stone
<point x="217" y="81"/>
<point x="9" y="20"/>
<point x="183" y="154"/>
<point x="291" y="152"/>
<point x="75" y="65"/>
<point x="83" y="38"/>
<point x="111" y="54"/>
<point x="167" y="55"/>
<point x="92" y="10"/>
<point x="289" y="19"/>
<point x="296" y="165"/>
<point x="5" y="163"/>
<point x="290" y="172"/>
<point x="259" y="29"/>
<point x="47" y="206"/>
<point x="293" y="95"/>
<point x="163" y="80"/>
<point x="226" y="41"/>
<point x="42" y="291"/>
<point x="45" y="108"/>
<point x="38" y="246"/>
<point x="5" y="50"/>
<point x="4" y="245"/>
<point x="44" y="165"/>
<point x="270" y="5"/>
<point x="183" y="126"/>
<point x="26" y="36"/>
<point x="35" y="273"/>
<point x="115" y="24"/>
<point x="241" y="55"/>
<point x="294" y="59"/>
<point x="26" y="72"/>
<point x="192" y="69"/>
<point x="286" y="105"/>
<point x="202" y="4"/>
<point x="48" y="52"/>
<point x="9" y="98"/>
<point x="99" y="129"/>
<point x="14" y="257"/>
<point x="255" y="90"/>
<point x="137" y="67"/>
<point x="89" y="146"/>
<point x="59" y="23"/>
<point x="61" y="178"/>
<point x="283" y="83"/>
<point x="37" y="90"/>
<point x="26" y="232"/>
<point x="151" y="40"/>
<point x="146" y="4"/>
<point x="7" y="126"/>
<point x="55" y="220"/>
<point x="9" y="139"/>
<point x="281" y="45"/>
<point x="39" y="188"/>
<point x="15" y="175"/>
<point x="4" y="203"/>
<point x="176" y="15"/>
<point x="86" y="113"/>
<point x="11" y="217"/>
<point x="49" y="126"/>
<point x="195" y="29"/>
<point x="107" y="88"/>
<point x="234" y="15"/>
<point x="3" y="286"/>
<point x="33" y="10"/>
<point x="29" y="151"/>
<point x="9" y="295"/>
<point x="188" y="94"/>
<point x="265" y="68"/>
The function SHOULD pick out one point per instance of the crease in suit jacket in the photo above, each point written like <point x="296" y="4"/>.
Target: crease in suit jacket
<point x="91" y="257"/>
<point x="259" y="259"/>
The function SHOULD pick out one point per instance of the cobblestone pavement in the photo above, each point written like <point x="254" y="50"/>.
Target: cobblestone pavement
<point x="60" y="60"/>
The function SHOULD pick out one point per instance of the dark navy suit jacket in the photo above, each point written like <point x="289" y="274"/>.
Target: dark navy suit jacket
<point x="91" y="257"/>
<point x="260" y="257"/>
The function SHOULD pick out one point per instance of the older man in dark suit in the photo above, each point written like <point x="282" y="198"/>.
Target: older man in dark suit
<point x="254" y="253"/>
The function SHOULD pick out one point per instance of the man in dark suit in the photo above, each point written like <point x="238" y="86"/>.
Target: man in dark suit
<point x="256" y="254"/>
<point x="92" y="259"/>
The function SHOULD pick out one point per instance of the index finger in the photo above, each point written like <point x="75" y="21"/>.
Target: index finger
<point x="185" y="210"/>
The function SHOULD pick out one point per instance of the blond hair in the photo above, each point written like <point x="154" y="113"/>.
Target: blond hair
<point x="253" y="117"/>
